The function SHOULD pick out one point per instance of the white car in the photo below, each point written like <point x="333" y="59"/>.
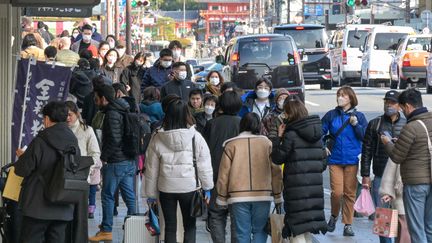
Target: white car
<point x="345" y="56"/>
<point x="377" y="50"/>
<point x="429" y="72"/>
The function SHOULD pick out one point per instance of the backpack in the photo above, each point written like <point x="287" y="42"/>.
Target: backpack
<point x="69" y="177"/>
<point x="137" y="133"/>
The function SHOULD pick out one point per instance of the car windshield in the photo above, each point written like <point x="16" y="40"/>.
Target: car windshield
<point x="306" y="38"/>
<point x="266" y="52"/>
<point x="387" y="41"/>
<point x="356" y="38"/>
<point x="418" y="43"/>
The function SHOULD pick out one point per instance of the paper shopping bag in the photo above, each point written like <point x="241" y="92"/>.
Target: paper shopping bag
<point x="386" y="222"/>
<point x="277" y="224"/>
<point x="12" y="188"/>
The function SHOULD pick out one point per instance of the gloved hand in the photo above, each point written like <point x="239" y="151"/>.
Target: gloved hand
<point x="151" y="201"/>
<point x="278" y="207"/>
<point x="353" y="120"/>
<point x="207" y="196"/>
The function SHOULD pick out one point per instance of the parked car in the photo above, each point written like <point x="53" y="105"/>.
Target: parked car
<point x="344" y="53"/>
<point x="429" y="71"/>
<point x="380" y="43"/>
<point x="200" y="76"/>
<point x="409" y="62"/>
<point x="270" y="56"/>
<point x="311" y="40"/>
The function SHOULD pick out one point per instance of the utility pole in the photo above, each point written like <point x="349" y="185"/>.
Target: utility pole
<point x="128" y="27"/>
<point x="184" y="18"/>
<point x="288" y="11"/>
<point x="116" y="19"/>
<point x="372" y="16"/>
<point x="109" y="17"/>
<point x="407" y="11"/>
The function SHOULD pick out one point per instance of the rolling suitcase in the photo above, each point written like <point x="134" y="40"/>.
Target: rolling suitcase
<point x="135" y="230"/>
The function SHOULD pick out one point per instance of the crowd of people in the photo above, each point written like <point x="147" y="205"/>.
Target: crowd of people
<point x="238" y="139"/>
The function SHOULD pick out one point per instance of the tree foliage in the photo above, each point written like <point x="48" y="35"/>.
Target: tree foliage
<point x="174" y="5"/>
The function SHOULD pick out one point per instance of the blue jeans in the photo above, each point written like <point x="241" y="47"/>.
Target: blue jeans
<point x="117" y="175"/>
<point x="378" y="203"/>
<point x="418" y="209"/>
<point x="250" y="219"/>
<point x="92" y="195"/>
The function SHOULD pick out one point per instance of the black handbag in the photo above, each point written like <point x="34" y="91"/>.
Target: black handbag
<point x="330" y="139"/>
<point x="198" y="205"/>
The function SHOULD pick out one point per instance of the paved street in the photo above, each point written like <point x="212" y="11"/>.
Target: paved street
<point x="318" y="102"/>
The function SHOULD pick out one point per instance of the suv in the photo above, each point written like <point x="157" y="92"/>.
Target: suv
<point x="311" y="39"/>
<point x="270" y="56"/>
<point x="345" y="56"/>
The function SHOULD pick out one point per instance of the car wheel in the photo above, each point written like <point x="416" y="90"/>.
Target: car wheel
<point x="363" y="82"/>
<point x="428" y="89"/>
<point x="327" y="84"/>
<point x="393" y="84"/>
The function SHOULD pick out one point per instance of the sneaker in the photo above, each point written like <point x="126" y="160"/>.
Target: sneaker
<point x="348" y="230"/>
<point x="101" y="236"/>
<point x="372" y="217"/>
<point x="207" y="225"/>
<point x="331" y="225"/>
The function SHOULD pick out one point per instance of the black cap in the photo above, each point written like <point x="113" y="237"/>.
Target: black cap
<point x="392" y="95"/>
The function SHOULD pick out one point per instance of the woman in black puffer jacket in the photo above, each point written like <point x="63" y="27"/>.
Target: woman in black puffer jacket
<point x="299" y="146"/>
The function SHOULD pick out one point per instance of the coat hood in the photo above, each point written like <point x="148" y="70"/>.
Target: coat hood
<point x="60" y="136"/>
<point x="177" y="139"/>
<point x="120" y="105"/>
<point x="309" y="128"/>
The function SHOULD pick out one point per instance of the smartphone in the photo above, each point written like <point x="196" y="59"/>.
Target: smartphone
<point x="387" y="134"/>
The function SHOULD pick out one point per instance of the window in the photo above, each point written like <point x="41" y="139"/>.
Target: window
<point x="387" y="41"/>
<point x="306" y="38"/>
<point x="270" y="52"/>
<point x="356" y="38"/>
<point x="214" y="7"/>
<point x="418" y="44"/>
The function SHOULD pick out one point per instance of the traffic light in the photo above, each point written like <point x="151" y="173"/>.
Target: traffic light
<point x="140" y="3"/>
<point x="357" y="2"/>
<point x="364" y="2"/>
<point x="350" y="3"/>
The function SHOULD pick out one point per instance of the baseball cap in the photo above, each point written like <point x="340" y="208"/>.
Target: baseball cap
<point x="392" y="95"/>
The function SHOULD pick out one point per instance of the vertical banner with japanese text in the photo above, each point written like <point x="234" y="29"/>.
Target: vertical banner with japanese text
<point x="45" y="83"/>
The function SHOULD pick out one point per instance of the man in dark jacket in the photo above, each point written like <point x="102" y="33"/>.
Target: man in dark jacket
<point x="158" y="75"/>
<point x="44" y="221"/>
<point x="118" y="169"/>
<point x="225" y="126"/>
<point x="412" y="152"/>
<point x="391" y="123"/>
<point x="180" y="85"/>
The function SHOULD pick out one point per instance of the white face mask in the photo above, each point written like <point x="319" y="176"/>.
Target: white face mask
<point x="176" y="54"/>
<point x="263" y="93"/>
<point x="121" y="51"/>
<point x="75" y="35"/>
<point x="342" y="101"/>
<point x="111" y="44"/>
<point x="209" y="109"/>
<point x="139" y="64"/>
<point x="87" y="38"/>
<point x="166" y="64"/>
<point x="182" y="75"/>
<point x="112" y="60"/>
<point x="214" y="81"/>
<point x="281" y="104"/>
<point x="103" y="53"/>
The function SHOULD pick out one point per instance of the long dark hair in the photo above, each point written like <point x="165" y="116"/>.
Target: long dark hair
<point x="177" y="113"/>
<point x="74" y="108"/>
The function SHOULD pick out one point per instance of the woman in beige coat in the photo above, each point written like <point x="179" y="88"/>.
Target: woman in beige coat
<point x="89" y="146"/>
<point x="390" y="190"/>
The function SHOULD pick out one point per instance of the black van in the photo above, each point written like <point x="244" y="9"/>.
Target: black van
<point x="271" y="56"/>
<point x="311" y="40"/>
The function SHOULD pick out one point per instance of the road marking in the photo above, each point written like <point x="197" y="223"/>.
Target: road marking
<point x="311" y="103"/>
<point x="327" y="191"/>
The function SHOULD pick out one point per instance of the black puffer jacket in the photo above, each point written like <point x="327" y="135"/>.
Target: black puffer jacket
<point x="373" y="148"/>
<point x="113" y="131"/>
<point x="178" y="87"/>
<point x="301" y="151"/>
<point x="81" y="84"/>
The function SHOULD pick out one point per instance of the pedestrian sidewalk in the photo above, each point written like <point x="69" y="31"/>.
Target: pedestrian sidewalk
<point x="362" y="228"/>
